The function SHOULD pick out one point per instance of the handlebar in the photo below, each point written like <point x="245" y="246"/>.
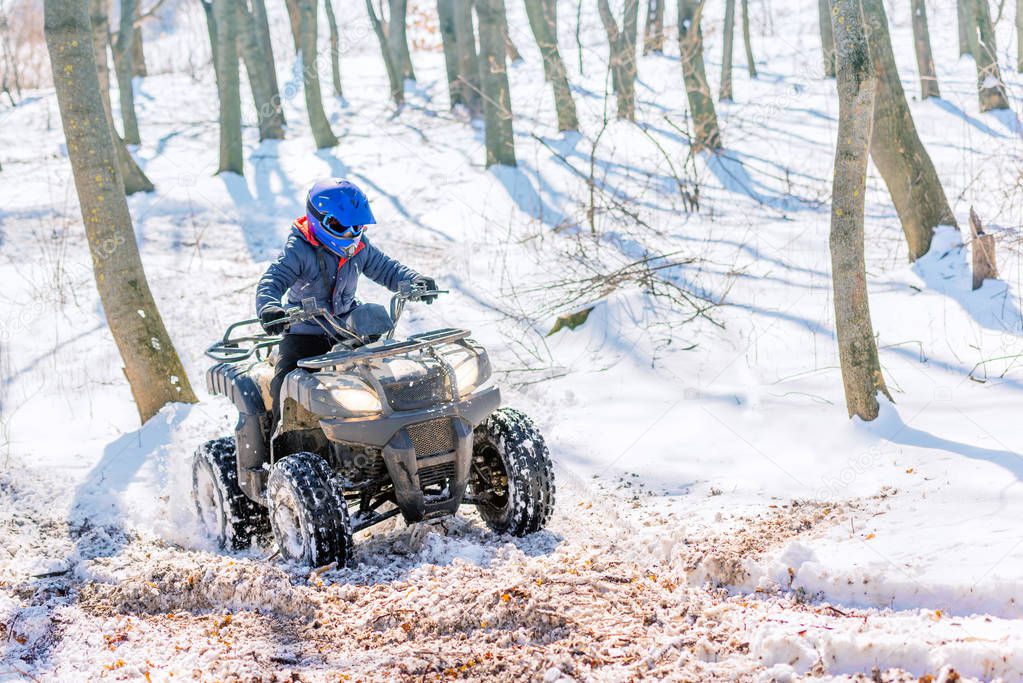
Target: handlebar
<point x="408" y="291"/>
<point x="236" y="349"/>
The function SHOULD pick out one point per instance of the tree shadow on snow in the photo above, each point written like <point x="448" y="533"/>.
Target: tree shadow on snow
<point x="891" y="427"/>
<point x="945" y="270"/>
<point x="1008" y="118"/>
<point x="267" y="163"/>
<point x="955" y="110"/>
<point x="527" y="196"/>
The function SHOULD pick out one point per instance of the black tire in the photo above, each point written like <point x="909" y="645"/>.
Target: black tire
<point x="512" y="476"/>
<point x="225" y="513"/>
<point x="308" y="513"/>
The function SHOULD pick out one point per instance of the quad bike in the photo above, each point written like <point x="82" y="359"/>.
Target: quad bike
<point x="375" y="428"/>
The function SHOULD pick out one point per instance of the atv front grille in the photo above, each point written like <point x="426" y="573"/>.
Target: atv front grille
<point x="433" y="437"/>
<point x="413" y="395"/>
<point x="437" y="474"/>
<point x="430" y="386"/>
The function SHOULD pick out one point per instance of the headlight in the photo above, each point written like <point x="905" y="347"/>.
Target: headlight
<point x="471" y="367"/>
<point x="353" y="395"/>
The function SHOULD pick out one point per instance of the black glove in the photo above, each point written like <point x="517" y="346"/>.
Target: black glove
<point x="271" y="318"/>
<point x="427" y="283"/>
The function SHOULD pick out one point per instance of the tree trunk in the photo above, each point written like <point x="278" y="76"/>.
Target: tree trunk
<point x="318" y="122"/>
<point x="138" y="53"/>
<point x="653" y="30"/>
<point x="543" y="20"/>
<point x="497" y="112"/>
<point x="1019" y="36"/>
<point x="990" y="88"/>
<point x="964" y="20"/>
<point x="262" y="26"/>
<point x="751" y="64"/>
<point x="151" y="364"/>
<point x="827" y="37"/>
<point x="706" y="134"/>
<point x="511" y="52"/>
<point x="895" y="147"/>
<point x="131" y="174"/>
<point x="622" y="42"/>
<point x="397" y="38"/>
<point x="857" y="350"/>
<point x="211" y="33"/>
<point x="468" y="60"/>
<point x="446" y="25"/>
<point x="335" y="49"/>
<point x="228" y="86"/>
<point x="295" y="23"/>
<point x="124" y="48"/>
<point x="259" y="65"/>
<point x="726" y="58"/>
<point x="394" y="68"/>
<point x="924" y="60"/>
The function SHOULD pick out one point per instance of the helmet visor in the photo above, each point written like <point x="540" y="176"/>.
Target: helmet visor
<point x="333" y="225"/>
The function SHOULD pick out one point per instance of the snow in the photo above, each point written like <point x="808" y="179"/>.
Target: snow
<point x="718" y="516"/>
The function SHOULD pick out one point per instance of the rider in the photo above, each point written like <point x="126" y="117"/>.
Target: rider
<point x="323" y="258"/>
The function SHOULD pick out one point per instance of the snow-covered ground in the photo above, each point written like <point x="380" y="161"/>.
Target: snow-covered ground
<point x="718" y="516"/>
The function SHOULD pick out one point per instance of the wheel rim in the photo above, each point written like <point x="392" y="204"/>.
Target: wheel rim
<point x="210" y="504"/>
<point x="491" y="480"/>
<point x="287" y="527"/>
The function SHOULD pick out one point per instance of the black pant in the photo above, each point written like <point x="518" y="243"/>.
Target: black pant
<point x="292" y="349"/>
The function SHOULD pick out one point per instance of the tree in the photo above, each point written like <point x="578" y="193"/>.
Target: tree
<point x="726" y="60"/>
<point x="259" y="65"/>
<point x="131" y="174"/>
<point x="469" y="70"/>
<point x="922" y="43"/>
<point x="1019" y="36"/>
<point x="138" y="53"/>
<point x="653" y="29"/>
<point x="964" y="21"/>
<point x="397" y="38"/>
<point x="706" y="134"/>
<point x="510" y="51"/>
<point x="460" y="58"/>
<point x="151" y="364"/>
<point x="225" y="56"/>
<point x="827" y="37"/>
<point x="751" y="64"/>
<point x="392" y="63"/>
<point x="335" y="48"/>
<point x="497" y="113"/>
<point x="262" y="25"/>
<point x="449" y="41"/>
<point x="990" y="88"/>
<point x="857" y="350"/>
<point x="124" y="48"/>
<point x="543" y="20"/>
<point x="322" y="134"/>
<point x="896" y="149"/>
<point x="622" y="42"/>
<point x="294" y="23"/>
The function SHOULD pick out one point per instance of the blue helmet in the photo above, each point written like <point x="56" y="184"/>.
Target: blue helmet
<point x="338" y="211"/>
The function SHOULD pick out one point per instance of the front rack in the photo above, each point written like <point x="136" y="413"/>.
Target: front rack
<point x="383" y="349"/>
<point x="236" y="349"/>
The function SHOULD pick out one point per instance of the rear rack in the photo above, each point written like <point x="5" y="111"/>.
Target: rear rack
<point x="383" y="349"/>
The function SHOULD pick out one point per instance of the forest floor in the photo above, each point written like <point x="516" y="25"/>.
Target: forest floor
<point x="718" y="516"/>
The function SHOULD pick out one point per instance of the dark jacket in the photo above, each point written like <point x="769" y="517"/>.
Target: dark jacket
<point x="305" y="269"/>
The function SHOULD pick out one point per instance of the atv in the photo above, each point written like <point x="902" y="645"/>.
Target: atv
<point x="375" y="428"/>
